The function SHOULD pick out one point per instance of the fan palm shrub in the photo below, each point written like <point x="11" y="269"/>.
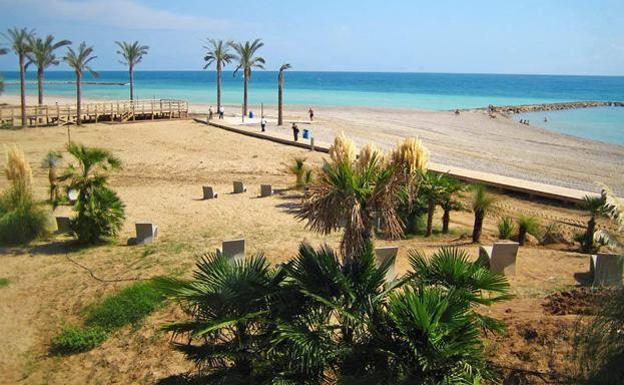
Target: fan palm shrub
<point x="227" y="332"/>
<point x="218" y="53"/>
<point x="100" y="212"/>
<point x="506" y="228"/>
<point x="482" y="203"/>
<point x="42" y="55"/>
<point x="298" y="169"/>
<point x="321" y="318"/>
<point x="247" y="60"/>
<point x="22" y="218"/>
<point x="79" y="61"/>
<point x="19" y="39"/>
<point x="132" y="54"/>
<point x="280" y="92"/>
<point x="527" y="225"/>
<point x="597" y="207"/>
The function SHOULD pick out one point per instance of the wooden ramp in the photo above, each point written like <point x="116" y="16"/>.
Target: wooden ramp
<point x="115" y="111"/>
<point x="517" y="185"/>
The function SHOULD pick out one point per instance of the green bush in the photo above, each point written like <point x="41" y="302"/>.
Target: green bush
<point x="506" y="228"/>
<point x="22" y="219"/>
<point x="77" y="339"/>
<point x="128" y="306"/>
<point x="4" y="281"/>
<point x="100" y="214"/>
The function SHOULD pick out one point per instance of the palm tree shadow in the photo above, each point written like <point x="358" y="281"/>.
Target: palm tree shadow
<point x="59" y="247"/>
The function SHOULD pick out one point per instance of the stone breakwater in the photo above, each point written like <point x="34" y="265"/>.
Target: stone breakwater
<point x="550" y="106"/>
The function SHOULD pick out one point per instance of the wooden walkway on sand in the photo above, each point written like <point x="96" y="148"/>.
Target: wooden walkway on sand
<point x="511" y="184"/>
<point x="114" y="111"/>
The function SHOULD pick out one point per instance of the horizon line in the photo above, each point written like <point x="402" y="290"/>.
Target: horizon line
<point x="339" y="71"/>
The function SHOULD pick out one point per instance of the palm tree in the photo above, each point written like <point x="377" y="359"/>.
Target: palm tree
<point x="42" y="55"/>
<point x="132" y="54"/>
<point x="280" y="91"/>
<point x="100" y="212"/>
<point x="3" y="51"/>
<point x="79" y="61"/>
<point x="596" y="206"/>
<point x="432" y="189"/>
<point x="19" y="40"/>
<point x="482" y="203"/>
<point x="245" y="54"/>
<point x="299" y="169"/>
<point x="218" y="53"/>
<point x="351" y="193"/>
<point x="448" y="202"/>
<point x="50" y="162"/>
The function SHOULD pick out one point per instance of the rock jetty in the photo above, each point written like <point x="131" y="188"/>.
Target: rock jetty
<point x="551" y="106"/>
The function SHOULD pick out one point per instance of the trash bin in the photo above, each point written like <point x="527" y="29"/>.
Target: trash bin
<point x="250" y="114"/>
<point x="306" y="133"/>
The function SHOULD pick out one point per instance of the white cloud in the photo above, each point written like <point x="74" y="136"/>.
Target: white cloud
<point x="120" y="14"/>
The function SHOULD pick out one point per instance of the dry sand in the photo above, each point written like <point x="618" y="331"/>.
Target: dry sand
<point x="165" y="164"/>
<point x="471" y="140"/>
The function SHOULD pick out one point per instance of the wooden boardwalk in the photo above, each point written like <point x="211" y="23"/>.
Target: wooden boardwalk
<point x="511" y="184"/>
<point x="115" y="111"/>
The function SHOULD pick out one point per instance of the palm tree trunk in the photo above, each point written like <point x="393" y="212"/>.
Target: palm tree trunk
<point x="245" y="94"/>
<point x="78" y="96"/>
<point x="22" y="89"/>
<point x="40" y="84"/>
<point x="52" y="179"/>
<point x="430" y="213"/>
<point x="446" y="219"/>
<point x="218" y="86"/>
<point x="280" y="90"/>
<point x="522" y="231"/>
<point x="131" y="70"/>
<point x="478" y="227"/>
<point x="589" y="234"/>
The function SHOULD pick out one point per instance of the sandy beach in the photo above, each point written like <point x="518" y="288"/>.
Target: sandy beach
<point x="471" y="140"/>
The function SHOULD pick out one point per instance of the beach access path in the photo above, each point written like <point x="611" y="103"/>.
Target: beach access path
<point x="251" y="128"/>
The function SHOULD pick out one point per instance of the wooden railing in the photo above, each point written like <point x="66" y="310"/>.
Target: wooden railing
<point x="114" y="111"/>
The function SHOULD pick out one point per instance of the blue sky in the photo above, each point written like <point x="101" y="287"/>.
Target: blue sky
<point x="478" y="36"/>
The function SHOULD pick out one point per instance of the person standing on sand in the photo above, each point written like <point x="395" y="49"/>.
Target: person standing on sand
<point x="263" y="123"/>
<point x="295" y="130"/>
<point x="311" y="113"/>
<point x="210" y="113"/>
<point x="221" y="112"/>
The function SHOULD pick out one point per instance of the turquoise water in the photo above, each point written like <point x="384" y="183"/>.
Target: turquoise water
<point x="599" y="123"/>
<point x="435" y="91"/>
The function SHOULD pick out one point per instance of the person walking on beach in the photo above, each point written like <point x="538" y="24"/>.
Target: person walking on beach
<point x="221" y="112"/>
<point x="210" y="113"/>
<point x="311" y="113"/>
<point x="263" y="123"/>
<point x="295" y="130"/>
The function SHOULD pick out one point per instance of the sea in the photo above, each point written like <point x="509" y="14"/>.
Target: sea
<point x="433" y="91"/>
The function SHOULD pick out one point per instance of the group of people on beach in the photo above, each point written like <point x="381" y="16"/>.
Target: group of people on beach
<point x="524" y="121"/>
<point x="221" y="112"/>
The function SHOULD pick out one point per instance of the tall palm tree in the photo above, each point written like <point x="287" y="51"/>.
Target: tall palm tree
<point x="482" y="203"/>
<point x="132" y="54"/>
<point x="20" y="44"/>
<point x="245" y="54"/>
<point x="42" y="55"/>
<point x="280" y="92"/>
<point x="79" y="61"/>
<point x="219" y="54"/>
<point x="3" y="51"/>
